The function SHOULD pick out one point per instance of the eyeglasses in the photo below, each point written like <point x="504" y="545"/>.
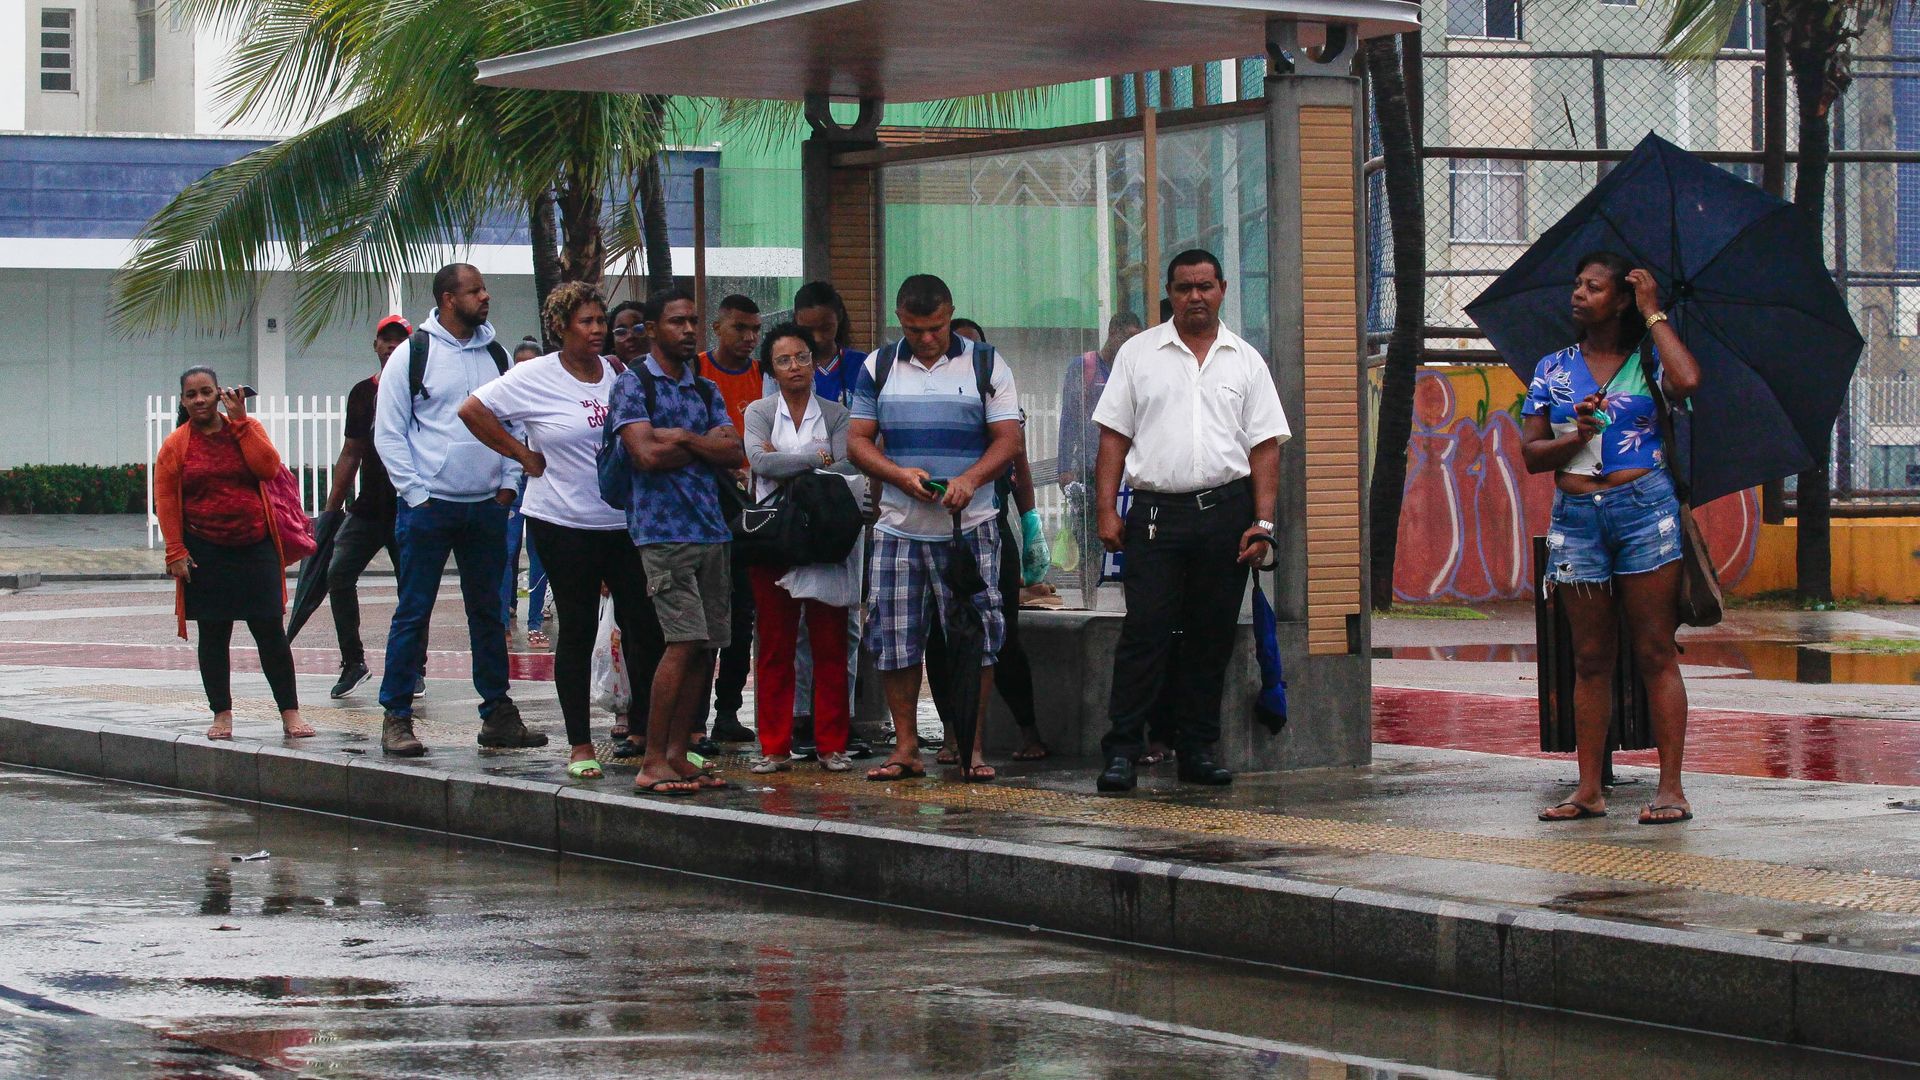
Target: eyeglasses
<point x="793" y="360"/>
<point x="625" y="331"/>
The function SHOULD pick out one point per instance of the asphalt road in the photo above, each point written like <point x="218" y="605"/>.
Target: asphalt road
<point x="136" y="946"/>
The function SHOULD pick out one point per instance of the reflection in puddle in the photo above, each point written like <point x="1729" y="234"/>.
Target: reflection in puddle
<point x="1785" y="661"/>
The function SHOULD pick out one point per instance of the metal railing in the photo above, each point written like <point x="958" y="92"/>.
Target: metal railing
<point x="306" y="430"/>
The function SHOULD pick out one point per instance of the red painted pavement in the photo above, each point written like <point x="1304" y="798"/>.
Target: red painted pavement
<point x="521" y="667"/>
<point x="1845" y="749"/>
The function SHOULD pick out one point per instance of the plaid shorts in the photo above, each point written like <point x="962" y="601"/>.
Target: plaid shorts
<point x="907" y="593"/>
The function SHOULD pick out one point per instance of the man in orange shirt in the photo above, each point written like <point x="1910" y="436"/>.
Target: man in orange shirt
<point x="736" y="332"/>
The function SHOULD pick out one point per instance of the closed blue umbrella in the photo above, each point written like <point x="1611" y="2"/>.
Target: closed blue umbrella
<point x="1747" y="289"/>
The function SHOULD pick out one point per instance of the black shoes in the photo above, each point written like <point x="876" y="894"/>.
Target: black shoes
<point x="1120" y="775"/>
<point x="728" y="728"/>
<point x="397" y="739"/>
<point x="858" y="747"/>
<point x="502" y="729"/>
<point x="351" y="676"/>
<point x="1200" y="768"/>
<point x="705" y="747"/>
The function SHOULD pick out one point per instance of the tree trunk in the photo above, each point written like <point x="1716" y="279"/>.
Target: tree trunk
<point x="583" y="255"/>
<point x="1812" y="58"/>
<point x="653" y="227"/>
<point x="1406" y="215"/>
<point x="545" y="241"/>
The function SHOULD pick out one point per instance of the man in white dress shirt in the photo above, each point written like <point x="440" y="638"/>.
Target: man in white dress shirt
<point x="1191" y="417"/>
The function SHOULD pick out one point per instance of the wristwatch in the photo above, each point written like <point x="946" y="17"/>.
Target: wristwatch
<point x="1264" y="526"/>
<point x="1656" y="317"/>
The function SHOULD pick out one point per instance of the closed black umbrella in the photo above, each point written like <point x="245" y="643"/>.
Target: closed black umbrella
<point x="1631" y="726"/>
<point x="312" y="586"/>
<point x="1747" y="289"/>
<point x="957" y="697"/>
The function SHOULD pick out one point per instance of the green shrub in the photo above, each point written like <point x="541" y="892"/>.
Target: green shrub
<point x="74" y="489"/>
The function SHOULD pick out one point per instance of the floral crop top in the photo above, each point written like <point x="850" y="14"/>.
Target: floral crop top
<point x="1630" y="438"/>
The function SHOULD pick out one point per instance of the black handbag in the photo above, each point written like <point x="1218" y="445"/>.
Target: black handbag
<point x="769" y="532"/>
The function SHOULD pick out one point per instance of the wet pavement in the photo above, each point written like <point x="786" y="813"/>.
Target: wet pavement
<point x="137" y="947"/>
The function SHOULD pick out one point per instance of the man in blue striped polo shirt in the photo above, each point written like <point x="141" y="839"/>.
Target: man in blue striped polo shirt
<point x="939" y="423"/>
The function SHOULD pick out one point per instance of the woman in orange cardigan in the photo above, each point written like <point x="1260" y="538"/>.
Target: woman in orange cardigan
<point x="223" y="549"/>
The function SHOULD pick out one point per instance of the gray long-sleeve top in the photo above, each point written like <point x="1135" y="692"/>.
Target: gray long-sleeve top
<point x="774" y="465"/>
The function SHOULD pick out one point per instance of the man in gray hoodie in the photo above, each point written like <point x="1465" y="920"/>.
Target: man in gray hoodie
<point x="453" y="496"/>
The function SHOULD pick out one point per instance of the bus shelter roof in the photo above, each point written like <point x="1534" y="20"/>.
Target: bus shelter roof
<point x="922" y="50"/>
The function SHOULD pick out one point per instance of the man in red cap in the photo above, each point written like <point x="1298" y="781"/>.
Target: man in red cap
<point x="369" y="524"/>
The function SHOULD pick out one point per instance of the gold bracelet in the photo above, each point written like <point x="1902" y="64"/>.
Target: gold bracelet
<point x="1656" y="317"/>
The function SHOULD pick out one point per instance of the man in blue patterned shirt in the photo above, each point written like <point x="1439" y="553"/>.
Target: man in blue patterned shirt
<point x="678" y="436"/>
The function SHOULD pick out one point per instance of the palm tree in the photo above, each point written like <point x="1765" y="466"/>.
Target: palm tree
<point x="1817" y="37"/>
<point x="407" y="154"/>
<point x="1407" y="217"/>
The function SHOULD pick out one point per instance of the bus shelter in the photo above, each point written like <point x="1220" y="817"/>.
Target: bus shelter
<point x="1272" y="184"/>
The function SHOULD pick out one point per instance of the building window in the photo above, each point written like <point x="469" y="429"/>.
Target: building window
<point x="144" y="33"/>
<point x="1489" y="201"/>
<point x="56" y="48"/>
<point x="1484" y="19"/>
<point x="1749" y="29"/>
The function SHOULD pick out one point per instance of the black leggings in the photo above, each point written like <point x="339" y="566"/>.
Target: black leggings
<point x="276" y="659"/>
<point x="577" y="562"/>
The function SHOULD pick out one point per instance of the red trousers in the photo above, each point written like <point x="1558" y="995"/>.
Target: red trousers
<point x="777" y="627"/>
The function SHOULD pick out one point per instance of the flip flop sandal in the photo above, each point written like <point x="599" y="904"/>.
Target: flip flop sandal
<point x="972" y="774"/>
<point x="629" y="747"/>
<point x="220" y="736"/>
<point x="302" y="732"/>
<point x="675" y="788"/>
<point x="579" y="769"/>
<point x="1685" y="814"/>
<point x="1584" y="812"/>
<point x="1040" y="753"/>
<point x="618" y="733"/>
<point x="901" y="771"/>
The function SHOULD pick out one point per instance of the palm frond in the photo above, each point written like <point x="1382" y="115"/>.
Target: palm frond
<point x="296" y="60"/>
<point x="198" y="256"/>
<point x="1697" y="29"/>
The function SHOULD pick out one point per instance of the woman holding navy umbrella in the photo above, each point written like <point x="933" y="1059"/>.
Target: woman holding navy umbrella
<point x="1593" y="419"/>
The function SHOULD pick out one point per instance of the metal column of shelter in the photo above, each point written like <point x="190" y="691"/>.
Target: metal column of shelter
<point x="818" y="51"/>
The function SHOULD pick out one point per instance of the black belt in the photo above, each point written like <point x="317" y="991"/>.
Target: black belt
<point x="1196" y="500"/>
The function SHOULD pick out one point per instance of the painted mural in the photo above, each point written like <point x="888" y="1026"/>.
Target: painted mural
<point x="1470" y="509"/>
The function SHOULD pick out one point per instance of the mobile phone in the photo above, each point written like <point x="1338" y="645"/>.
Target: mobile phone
<point x="248" y="391"/>
<point x="938" y="487"/>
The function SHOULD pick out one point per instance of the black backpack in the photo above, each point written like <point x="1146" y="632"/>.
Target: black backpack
<point x="983" y="356"/>
<point x="417" y="367"/>
<point x="612" y="463"/>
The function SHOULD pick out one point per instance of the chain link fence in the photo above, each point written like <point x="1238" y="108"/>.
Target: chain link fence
<point x="1507" y="92"/>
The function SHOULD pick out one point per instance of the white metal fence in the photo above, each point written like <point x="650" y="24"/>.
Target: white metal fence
<point x="307" y="431"/>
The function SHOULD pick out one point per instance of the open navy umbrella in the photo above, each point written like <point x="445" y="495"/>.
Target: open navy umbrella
<point x="1746" y="287"/>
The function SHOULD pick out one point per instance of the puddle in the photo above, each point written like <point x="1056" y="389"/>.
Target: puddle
<point x="1784" y="661"/>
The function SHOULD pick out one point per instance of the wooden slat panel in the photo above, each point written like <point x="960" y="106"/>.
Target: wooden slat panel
<point x="1334" y="410"/>
<point x="853" y="240"/>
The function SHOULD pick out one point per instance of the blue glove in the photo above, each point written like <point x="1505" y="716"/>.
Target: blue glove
<point x="1033" y="549"/>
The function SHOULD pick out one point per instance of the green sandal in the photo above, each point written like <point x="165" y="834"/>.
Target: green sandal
<point x="579" y="770"/>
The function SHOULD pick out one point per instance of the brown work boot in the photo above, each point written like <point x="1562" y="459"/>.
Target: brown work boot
<point x="502" y="729"/>
<point x="396" y="737"/>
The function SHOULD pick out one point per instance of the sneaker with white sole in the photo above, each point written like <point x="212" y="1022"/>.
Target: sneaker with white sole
<point x="838" y="761"/>
<point x="351" y="676"/>
<point x="764" y="765"/>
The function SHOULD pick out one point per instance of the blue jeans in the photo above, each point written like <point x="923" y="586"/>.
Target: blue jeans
<point x="476" y="535"/>
<point x="1629" y="529"/>
<point x="536" y="574"/>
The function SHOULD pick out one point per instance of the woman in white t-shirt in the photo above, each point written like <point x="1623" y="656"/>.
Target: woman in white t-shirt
<point x="560" y="401"/>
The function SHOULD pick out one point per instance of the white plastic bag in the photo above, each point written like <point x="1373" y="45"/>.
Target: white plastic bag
<point x="612" y="689"/>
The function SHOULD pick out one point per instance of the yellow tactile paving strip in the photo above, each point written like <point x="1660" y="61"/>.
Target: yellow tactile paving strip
<point x="1733" y="877"/>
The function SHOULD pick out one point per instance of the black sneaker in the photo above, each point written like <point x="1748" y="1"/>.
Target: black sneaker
<point x="351" y="676"/>
<point x="420" y="687"/>
<point x="728" y="728"/>
<point x="858" y="747"/>
<point x="804" y="751"/>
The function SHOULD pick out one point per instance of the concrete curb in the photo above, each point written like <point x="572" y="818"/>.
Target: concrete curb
<point x="1710" y="981"/>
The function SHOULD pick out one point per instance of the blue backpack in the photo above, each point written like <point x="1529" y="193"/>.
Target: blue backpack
<point x="611" y="460"/>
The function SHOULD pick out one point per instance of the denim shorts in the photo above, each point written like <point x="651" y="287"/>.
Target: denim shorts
<point x="1630" y="529"/>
